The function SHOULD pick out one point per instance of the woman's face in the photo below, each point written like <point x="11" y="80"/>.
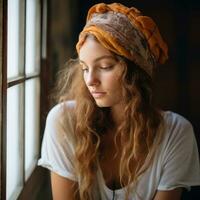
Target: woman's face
<point x="102" y="73"/>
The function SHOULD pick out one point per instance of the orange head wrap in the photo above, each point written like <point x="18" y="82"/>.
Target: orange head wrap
<point x="126" y="32"/>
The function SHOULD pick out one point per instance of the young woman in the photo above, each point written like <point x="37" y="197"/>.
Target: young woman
<point x="106" y="139"/>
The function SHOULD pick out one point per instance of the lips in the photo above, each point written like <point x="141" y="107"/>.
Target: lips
<point x="98" y="94"/>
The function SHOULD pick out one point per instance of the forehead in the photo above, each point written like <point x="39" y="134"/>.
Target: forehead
<point x="92" y="50"/>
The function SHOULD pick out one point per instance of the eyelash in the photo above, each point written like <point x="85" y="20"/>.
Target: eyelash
<point x="103" y="68"/>
<point x="107" y="67"/>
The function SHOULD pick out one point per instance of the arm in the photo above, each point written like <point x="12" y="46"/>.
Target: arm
<point x="168" y="195"/>
<point x="63" y="188"/>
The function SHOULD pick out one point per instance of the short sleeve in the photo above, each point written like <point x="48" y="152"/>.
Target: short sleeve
<point x="180" y="160"/>
<point x="57" y="153"/>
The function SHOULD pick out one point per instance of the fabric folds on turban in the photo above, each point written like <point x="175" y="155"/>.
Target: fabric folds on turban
<point x="126" y="32"/>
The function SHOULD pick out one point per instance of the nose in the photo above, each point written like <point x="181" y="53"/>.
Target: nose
<point x="92" y="78"/>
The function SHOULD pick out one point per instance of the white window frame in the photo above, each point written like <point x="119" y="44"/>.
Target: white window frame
<point x="37" y="176"/>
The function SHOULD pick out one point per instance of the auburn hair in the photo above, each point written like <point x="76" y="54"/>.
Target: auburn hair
<point x="139" y="133"/>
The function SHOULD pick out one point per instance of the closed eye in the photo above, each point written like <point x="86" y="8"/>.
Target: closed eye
<point x="109" y="67"/>
<point x="84" y="68"/>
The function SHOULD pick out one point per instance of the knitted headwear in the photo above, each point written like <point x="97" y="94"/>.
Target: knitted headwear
<point x="126" y="32"/>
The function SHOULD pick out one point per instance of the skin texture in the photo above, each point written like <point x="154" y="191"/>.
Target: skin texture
<point x="168" y="195"/>
<point x="101" y="72"/>
<point x="63" y="188"/>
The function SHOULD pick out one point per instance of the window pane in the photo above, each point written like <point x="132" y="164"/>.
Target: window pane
<point x="14" y="140"/>
<point x="32" y="36"/>
<point x="15" y="38"/>
<point x="32" y="90"/>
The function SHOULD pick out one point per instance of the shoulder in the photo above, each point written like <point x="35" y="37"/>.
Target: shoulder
<point x="178" y="150"/>
<point x="176" y="122"/>
<point x="60" y="117"/>
<point x="58" y="108"/>
<point x="58" y="111"/>
<point x="59" y="142"/>
<point x="178" y="130"/>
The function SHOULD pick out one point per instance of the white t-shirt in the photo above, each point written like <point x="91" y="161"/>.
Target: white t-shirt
<point x="176" y="161"/>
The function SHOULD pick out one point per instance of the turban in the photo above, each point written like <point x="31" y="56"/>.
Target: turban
<point x="126" y="32"/>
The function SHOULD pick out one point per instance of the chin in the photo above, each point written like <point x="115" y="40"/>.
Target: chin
<point x="102" y="104"/>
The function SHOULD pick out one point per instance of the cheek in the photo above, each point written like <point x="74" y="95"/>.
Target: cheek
<point x="113" y="81"/>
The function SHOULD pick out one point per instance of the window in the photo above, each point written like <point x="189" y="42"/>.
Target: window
<point x="23" y="51"/>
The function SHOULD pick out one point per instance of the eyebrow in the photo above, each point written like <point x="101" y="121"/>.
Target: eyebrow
<point x="99" y="58"/>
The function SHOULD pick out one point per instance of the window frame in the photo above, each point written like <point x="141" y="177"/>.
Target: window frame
<point x="39" y="176"/>
<point x="1" y="82"/>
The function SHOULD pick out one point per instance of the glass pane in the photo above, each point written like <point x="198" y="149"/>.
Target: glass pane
<point x="32" y="36"/>
<point x="14" y="140"/>
<point x="32" y="95"/>
<point x="15" y="38"/>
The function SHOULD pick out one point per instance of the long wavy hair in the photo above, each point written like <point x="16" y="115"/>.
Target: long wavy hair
<point x="138" y="134"/>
